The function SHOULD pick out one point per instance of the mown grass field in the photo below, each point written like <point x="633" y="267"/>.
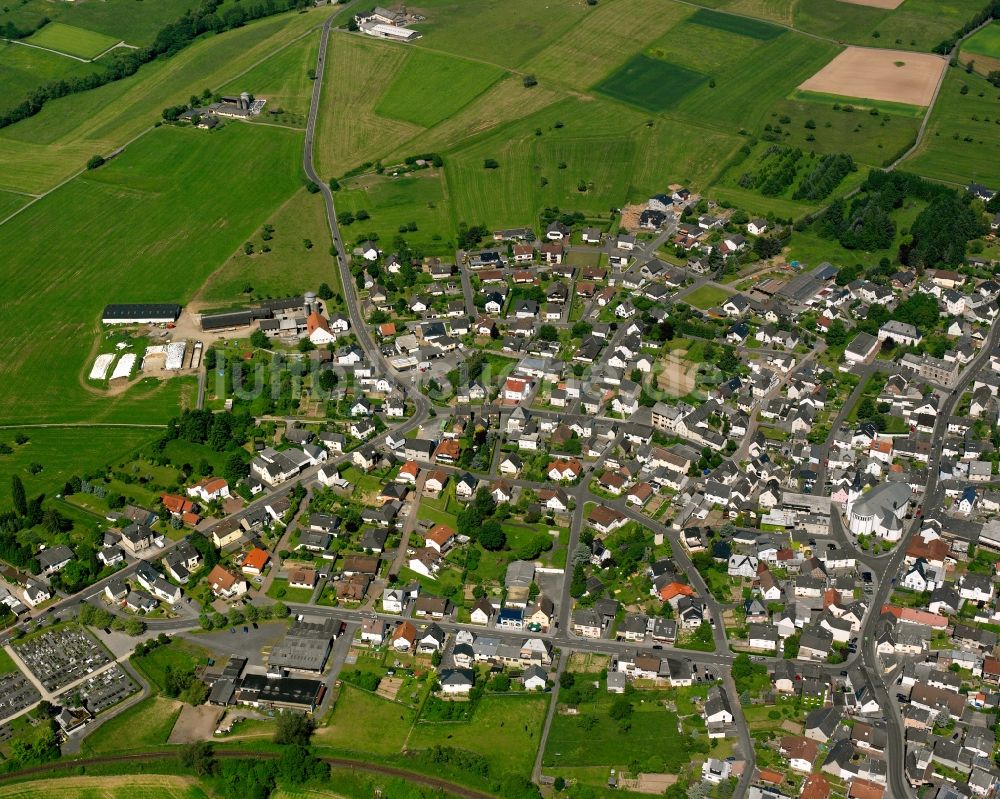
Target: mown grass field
<point x="706" y="297"/>
<point x="118" y="19"/>
<point x="128" y="232"/>
<point x="64" y="452"/>
<point x="653" y="733"/>
<point x="985" y="42"/>
<point x="349" y="131"/>
<point x="431" y="87"/>
<point x="41" y="151"/>
<point x="650" y="84"/>
<point x="78" y="42"/>
<point x="290" y="268"/>
<point x="149" y="786"/>
<point x="146" y="724"/>
<point x="418" y="197"/>
<point x="732" y="24"/>
<point x="506" y="729"/>
<point x="23" y="69"/>
<point x="960" y="144"/>
<point x="10" y="202"/>
<point x="284" y="81"/>
<point x="915" y="25"/>
<point x="384" y="732"/>
<point x="507" y="34"/>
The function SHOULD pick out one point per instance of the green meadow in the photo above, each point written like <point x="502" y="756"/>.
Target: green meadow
<point x="78" y="42"/>
<point x="431" y="87"/>
<point x="127" y="232"/>
<point x="23" y="69"/>
<point x="985" y="42"/>
<point x="650" y="84"/>
<point x="65" y="451"/>
<point x="283" y="80"/>
<point x="754" y="29"/>
<point x="962" y="142"/>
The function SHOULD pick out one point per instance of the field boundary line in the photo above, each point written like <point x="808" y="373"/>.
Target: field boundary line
<point x="50" y="50"/>
<point x="114" y="47"/>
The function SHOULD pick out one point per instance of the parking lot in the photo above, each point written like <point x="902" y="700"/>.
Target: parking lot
<point x="103" y="690"/>
<point x="59" y="657"/>
<point x="16" y="693"/>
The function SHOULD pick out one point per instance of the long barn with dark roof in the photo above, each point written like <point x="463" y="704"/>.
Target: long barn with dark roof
<point x="142" y="313"/>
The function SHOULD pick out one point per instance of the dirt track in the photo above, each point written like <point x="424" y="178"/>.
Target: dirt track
<point x="335" y="762"/>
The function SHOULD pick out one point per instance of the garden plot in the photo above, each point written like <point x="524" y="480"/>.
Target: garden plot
<point x="890" y="75"/>
<point x="101" y="365"/>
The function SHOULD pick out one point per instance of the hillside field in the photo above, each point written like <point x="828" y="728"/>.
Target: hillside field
<point x="128" y="232"/>
<point x="78" y="42"/>
<point x="963" y="140"/>
<point x="43" y="150"/>
<point x="289" y="268"/>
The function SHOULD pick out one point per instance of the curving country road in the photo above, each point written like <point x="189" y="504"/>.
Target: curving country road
<point x="358" y="322"/>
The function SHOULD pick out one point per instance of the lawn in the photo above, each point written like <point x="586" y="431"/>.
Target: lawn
<point x="70" y="39"/>
<point x="430" y="87"/>
<point x="64" y="452"/>
<point x="504" y="728"/>
<point x="753" y="29"/>
<point x="147" y="724"/>
<point x="179" y="656"/>
<point x="962" y="142"/>
<point x="385" y="729"/>
<point x="650" y="84"/>
<point x="7" y="665"/>
<point x="132" y="786"/>
<point x="593" y="739"/>
<point x="113" y="235"/>
<point x="10" y="202"/>
<point x="289" y="268"/>
<point x="279" y="590"/>
<point x="705" y="297"/>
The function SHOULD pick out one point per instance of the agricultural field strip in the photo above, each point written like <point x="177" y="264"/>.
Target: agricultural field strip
<point x="237" y="76"/>
<point x="74" y="42"/>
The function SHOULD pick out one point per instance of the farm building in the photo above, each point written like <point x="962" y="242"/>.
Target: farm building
<point x="390" y="32"/>
<point x="140" y="313"/>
